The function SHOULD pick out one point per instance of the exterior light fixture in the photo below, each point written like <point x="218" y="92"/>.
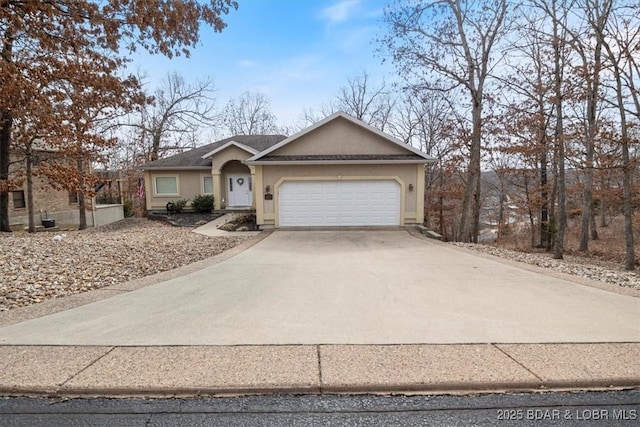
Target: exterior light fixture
<point x="410" y="187"/>
<point x="267" y="189"/>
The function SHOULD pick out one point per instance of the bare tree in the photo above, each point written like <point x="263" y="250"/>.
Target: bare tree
<point x="426" y="123"/>
<point x="589" y="50"/>
<point x="556" y="12"/>
<point x="421" y="121"/>
<point x="174" y="116"/>
<point x="308" y="117"/>
<point x="529" y="109"/>
<point x="370" y="103"/>
<point x="250" y="114"/>
<point x="620" y="38"/>
<point x="445" y="46"/>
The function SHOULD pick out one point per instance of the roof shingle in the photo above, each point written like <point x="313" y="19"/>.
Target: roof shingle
<point x="193" y="158"/>
<point x="343" y="157"/>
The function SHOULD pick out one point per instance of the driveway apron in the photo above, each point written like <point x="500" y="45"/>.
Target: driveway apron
<point x="345" y="287"/>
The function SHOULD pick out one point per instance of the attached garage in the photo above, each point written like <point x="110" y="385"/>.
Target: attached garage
<point x="339" y="172"/>
<point x="339" y="203"/>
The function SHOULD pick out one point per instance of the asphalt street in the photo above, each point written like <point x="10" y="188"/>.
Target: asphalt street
<point x="612" y="408"/>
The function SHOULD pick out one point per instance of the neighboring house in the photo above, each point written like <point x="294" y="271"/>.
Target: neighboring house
<point x="50" y="203"/>
<point x="337" y="172"/>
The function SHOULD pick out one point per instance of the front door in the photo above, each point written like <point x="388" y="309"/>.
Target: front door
<point x="239" y="190"/>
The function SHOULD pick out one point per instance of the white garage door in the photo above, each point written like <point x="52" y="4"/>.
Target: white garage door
<point x="338" y="203"/>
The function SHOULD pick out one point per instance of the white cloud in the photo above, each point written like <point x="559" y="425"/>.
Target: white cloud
<point x="354" y="38"/>
<point x="340" y="11"/>
<point x="247" y="63"/>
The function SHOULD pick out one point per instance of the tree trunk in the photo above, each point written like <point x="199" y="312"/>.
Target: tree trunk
<point x="627" y="176"/>
<point x="532" y="222"/>
<point x="441" y="203"/>
<point x="30" y="207"/>
<point x="470" y="219"/>
<point x="627" y="171"/>
<point x="561" y="219"/>
<point x="587" y="198"/>
<point x="545" y="235"/>
<point x="82" y="213"/>
<point x="598" y="22"/>
<point x="543" y="159"/>
<point x="552" y="206"/>
<point x="476" y="198"/>
<point x="5" y="144"/>
<point x="6" y="121"/>
<point x="155" y="147"/>
<point x="500" y="215"/>
<point x="592" y="226"/>
<point x="587" y="207"/>
<point x="630" y="255"/>
<point x="603" y="205"/>
<point x="627" y="165"/>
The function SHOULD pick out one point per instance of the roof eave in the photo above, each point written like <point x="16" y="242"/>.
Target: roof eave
<point x="240" y="145"/>
<point x="337" y="162"/>
<point x="175" y="168"/>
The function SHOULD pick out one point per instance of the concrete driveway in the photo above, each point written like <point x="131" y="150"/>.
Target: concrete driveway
<point x="346" y="287"/>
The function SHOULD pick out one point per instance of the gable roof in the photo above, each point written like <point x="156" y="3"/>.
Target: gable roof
<point x="359" y="158"/>
<point x="413" y="155"/>
<point x="229" y="144"/>
<point x="200" y="158"/>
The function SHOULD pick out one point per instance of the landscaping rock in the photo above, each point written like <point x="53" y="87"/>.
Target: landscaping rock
<point x="34" y="268"/>
<point x="577" y="266"/>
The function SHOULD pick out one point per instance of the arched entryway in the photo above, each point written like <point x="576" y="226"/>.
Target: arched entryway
<point x="237" y="185"/>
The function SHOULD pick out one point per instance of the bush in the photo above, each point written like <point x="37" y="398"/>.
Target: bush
<point x="202" y="203"/>
<point x="177" y="206"/>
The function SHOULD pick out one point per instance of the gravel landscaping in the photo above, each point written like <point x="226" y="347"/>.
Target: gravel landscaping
<point x="35" y="267"/>
<point x="579" y="266"/>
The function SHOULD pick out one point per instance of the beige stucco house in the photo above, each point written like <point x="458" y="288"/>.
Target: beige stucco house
<point x="337" y="172"/>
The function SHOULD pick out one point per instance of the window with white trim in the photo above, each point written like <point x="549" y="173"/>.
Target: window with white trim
<point x="207" y="185"/>
<point x="166" y="185"/>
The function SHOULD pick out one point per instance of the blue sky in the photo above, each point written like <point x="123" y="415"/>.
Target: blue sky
<point x="297" y="52"/>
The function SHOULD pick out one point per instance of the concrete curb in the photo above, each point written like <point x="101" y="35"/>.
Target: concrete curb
<point x="190" y="371"/>
<point x="453" y="389"/>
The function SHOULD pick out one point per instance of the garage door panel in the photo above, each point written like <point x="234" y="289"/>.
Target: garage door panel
<point x="339" y="203"/>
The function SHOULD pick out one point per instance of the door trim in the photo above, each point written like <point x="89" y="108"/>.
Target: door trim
<point x="229" y="184"/>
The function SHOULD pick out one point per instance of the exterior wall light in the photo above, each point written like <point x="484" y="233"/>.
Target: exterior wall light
<point x="267" y="189"/>
<point x="410" y="187"/>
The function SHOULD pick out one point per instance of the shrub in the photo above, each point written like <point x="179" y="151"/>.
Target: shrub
<point x="202" y="203"/>
<point x="177" y="206"/>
